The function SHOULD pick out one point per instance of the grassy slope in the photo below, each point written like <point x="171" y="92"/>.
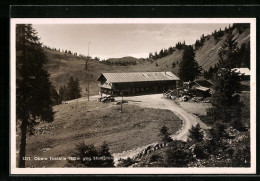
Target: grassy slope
<point x="207" y="55"/>
<point x="164" y="64"/>
<point x="61" y="66"/>
<point x="95" y="122"/>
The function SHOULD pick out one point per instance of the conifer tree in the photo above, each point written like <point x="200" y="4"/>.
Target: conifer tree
<point x="73" y="89"/>
<point x="55" y="98"/>
<point x="104" y="152"/>
<point x="32" y="84"/>
<point x="227" y="83"/>
<point x="189" y="68"/>
<point x="196" y="134"/>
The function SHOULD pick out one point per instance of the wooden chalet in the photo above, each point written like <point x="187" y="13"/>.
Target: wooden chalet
<point x="137" y="83"/>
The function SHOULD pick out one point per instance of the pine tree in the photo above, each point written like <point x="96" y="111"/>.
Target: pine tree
<point x="32" y="83"/>
<point x="165" y="136"/>
<point x="244" y="55"/>
<point x="173" y="65"/>
<point x="155" y="55"/>
<point x="77" y="88"/>
<point x="104" y="152"/>
<point x="55" y="98"/>
<point x="189" y="68"/>
<point x="73" y="89"/>
<point x="61" y="93"/>
<point x="196" y="134"/>
<point x="227" y="83"/>
<point x="150" y="55"/>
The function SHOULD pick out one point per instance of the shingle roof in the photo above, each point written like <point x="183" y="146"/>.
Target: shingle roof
<point x="139" y="76"/>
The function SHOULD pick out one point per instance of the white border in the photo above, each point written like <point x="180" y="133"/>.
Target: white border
<point x="213" y="170"/>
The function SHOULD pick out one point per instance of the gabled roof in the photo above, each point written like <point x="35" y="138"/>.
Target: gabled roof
<point x="138" y="76"/>
<point x="244" y="71"/>
<point x="202" y="88"/>
<point x="204" y="83"/>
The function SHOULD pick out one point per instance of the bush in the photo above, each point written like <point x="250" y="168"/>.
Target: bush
<point x="241" y="157"/>
<point x="90" y="156"/>
<point x="230" y="151"/>
<point x="218" y="131"/>
<point x="126" y="162"/>
<point x="178" y="155"/>
<point x="165" y="136"/>
<point x="201" y="150"/>
<point x="154" y="158"/>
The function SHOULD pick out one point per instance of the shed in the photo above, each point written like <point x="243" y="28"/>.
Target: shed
<point x="202" y="88"/>
<point x="243" y="71"/>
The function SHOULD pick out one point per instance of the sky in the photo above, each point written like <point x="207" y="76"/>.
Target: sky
<point x="119" y="40"/>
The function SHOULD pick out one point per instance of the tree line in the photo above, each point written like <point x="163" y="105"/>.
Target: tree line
<point x="120" y="63"/>
<point x="71" y="53"/>
<point x="162" y="53"/>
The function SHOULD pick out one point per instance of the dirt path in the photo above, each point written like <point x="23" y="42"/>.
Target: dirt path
<point x="158" y="102"/>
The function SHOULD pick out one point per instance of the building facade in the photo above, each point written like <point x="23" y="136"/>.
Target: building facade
<point x="136" y="83"/>
<point x="200" y="88"/>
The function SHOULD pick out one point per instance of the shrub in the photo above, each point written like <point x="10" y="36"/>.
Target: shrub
<point x="154" y="158"/>
<point x="201" y="150"/>
<point x="126" y="162"/>
<point x="230" y="151"/>
<point x="178" y="155"/>
<point x="90" y="156"/>
<point x="241" y="157"/>
<point x="165" y="136"/>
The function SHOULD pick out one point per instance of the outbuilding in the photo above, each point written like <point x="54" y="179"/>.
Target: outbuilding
<point x="137" y="83"/>
<point x="243" y="71"/>
<point x="201" y="88"/>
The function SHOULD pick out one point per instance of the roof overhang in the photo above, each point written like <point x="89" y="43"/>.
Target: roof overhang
<point x="202" y="88"/>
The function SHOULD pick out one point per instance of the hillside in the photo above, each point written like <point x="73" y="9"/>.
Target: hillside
<point x="61" y="65"/>
<point x="207" y="55"/>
